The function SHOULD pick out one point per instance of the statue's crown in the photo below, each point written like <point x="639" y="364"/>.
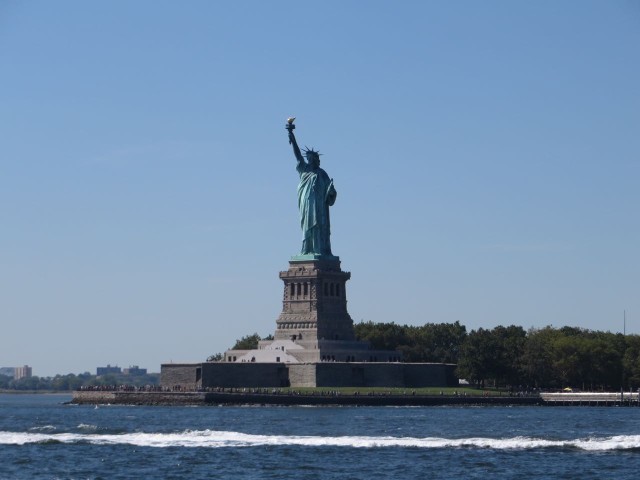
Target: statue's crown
<point x="311" y="151"/>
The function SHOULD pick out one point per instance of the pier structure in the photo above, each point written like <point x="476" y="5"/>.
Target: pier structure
<point x="595" y="399"/>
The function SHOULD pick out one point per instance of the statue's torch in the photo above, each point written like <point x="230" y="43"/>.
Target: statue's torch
<point x="290" y="126"/>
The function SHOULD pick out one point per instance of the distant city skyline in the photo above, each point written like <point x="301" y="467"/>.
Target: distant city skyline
<point x="485" y="157"/>
<point x="17" y="373"/>
<point x="27" y="371"/>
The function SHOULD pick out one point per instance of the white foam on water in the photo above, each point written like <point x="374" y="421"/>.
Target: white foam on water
<point x="619" y="442"/>
<point x="220" y="439"/>
<point x="87" y="426"/>
<point x="43" y="428"/>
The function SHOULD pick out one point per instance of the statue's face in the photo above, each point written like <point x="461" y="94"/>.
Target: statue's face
<point x="314" y="160"/>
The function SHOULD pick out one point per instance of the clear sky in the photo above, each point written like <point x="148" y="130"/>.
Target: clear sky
<point x="485" y="154"/>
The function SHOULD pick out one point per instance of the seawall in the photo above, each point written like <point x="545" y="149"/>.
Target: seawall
<point x="242" y="398"/>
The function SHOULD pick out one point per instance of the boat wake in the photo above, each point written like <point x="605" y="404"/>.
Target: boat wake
<point x="225" y="439"/>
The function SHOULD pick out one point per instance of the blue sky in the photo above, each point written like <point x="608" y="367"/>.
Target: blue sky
<point x="485" y="154"/>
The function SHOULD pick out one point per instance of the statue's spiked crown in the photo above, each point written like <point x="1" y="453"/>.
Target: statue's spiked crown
<point x="310" y="152"/>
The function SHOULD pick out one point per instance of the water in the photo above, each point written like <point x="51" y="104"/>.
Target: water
<point x="44" y="439"/>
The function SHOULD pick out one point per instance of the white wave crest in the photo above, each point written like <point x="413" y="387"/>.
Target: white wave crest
<point x="87" y="426"/>
<point x="219" y="439"/>
<point x="43" y="428"/>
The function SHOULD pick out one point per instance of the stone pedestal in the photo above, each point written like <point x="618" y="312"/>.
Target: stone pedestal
<point x="314" y="304"/>
<point x="314" y="326"/>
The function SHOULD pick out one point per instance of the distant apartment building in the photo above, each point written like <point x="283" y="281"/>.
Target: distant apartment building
<point x="22" y="372"/>
<point x="8" y="371"/>
<point x="108" y="370"/>
<point x="134" y="370"/>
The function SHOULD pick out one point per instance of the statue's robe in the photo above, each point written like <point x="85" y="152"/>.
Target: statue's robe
<point x="316" y="194"/>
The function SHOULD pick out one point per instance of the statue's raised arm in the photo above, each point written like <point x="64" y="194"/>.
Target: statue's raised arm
<point x="292" y="139"/>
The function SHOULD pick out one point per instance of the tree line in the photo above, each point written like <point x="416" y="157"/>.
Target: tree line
<point x="514" y="357"/>
<point x="72" y="381"/>
<point x="248" y="342"/>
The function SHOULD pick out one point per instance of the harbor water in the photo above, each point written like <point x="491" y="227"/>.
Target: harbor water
<point x="42" y="437"/>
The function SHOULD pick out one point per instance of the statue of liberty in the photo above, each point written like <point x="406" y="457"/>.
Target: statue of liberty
<point x="316" y="194"/>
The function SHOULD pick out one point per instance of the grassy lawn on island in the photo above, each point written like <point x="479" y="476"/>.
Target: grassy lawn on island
<point x="448" y="391"/>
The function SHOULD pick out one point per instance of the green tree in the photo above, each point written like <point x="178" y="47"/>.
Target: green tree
<point x="537" y="358"/>
<point x="442" y="341"/>
<point x="67" y="382"/>
<point x="383" y="336"/>
<point x="432" y="342"/>
<point x="31" y="383"/>
<point x="606" y="352"/>
<point x="478" y="357"/>
<point x="493" y="355"/>
<point x="591" y="360"/>
<point x="631" y="362"/>
<point x="216" y="357"/>
<point x="5" y="380"/>
<point x="510" y="342"/>
<point x="248" y="342"/>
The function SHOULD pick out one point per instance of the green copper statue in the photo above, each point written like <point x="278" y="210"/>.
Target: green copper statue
<point x="316" y="194"/>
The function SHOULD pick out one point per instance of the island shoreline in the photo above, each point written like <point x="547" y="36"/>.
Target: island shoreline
<point x="289" y="399"/>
